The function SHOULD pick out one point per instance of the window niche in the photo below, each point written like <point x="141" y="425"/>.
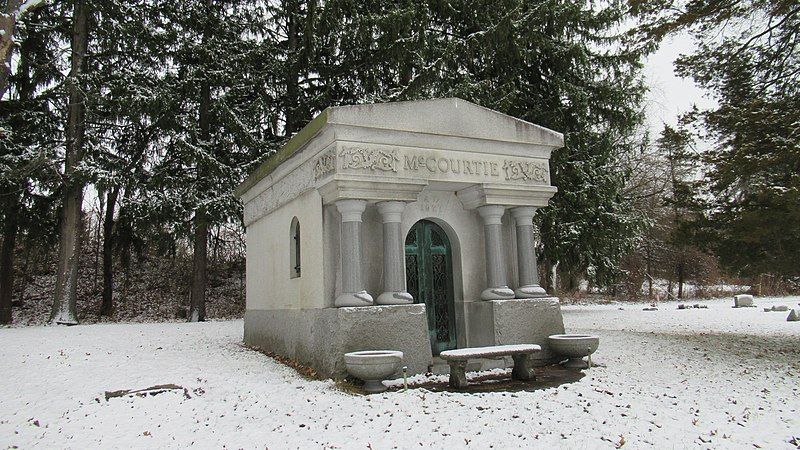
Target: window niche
<point x="294" y="257"/>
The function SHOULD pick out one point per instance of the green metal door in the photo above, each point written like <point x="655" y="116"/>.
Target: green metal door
<point x="429" y="275"/>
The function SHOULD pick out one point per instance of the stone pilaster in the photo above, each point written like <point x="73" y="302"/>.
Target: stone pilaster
<point x="497" y="288"/>
<point x="526" y="254"/>
<point x="394" y="268"/>
<point x="353" y="293"/>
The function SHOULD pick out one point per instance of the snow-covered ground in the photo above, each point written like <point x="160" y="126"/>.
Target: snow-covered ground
<point x="711" y="378"/>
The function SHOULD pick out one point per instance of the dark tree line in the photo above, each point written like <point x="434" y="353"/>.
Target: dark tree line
<point x="159" y="109"/>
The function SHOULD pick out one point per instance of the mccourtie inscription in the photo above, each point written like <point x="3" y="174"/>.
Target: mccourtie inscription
<point x="451" y="165"/>
<point x="390" y="161"/>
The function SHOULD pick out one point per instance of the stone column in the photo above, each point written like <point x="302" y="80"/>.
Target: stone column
<point x="497" y="288"/>
<point x="353" y="293"/>
<point x="526" y="254"/>
<point x="394" y="268"/>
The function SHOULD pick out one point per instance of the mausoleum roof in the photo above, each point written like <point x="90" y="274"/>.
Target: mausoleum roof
<point x="451" y="117"/>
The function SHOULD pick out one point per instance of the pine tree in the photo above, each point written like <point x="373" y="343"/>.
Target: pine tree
<point x="129" y="110"/>
<point x="29" y="128"/>
<point x="218" y="67"/>
<point x="747" y="60"/>
<point x="558" y="64"/>
<point x="69" y="248"/>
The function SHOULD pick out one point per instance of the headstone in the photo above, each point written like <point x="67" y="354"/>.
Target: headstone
<point x="742" y="300"/>
<point x="780" y="308"/>
<point x="793" y="316"/>
<point x="681" y="306"/>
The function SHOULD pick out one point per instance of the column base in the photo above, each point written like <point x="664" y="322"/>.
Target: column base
<point x="497" y="293"/>
<point x="530" y="291"/>
<point x="354" y="299"/>
<point x="395" y="298"/>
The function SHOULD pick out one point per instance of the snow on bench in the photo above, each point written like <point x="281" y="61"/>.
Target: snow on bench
<point x="457" y="359"/>
<point x="488" y="352"/>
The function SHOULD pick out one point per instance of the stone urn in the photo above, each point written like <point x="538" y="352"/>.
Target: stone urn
<point x="574" y="347"/>
<point x="373" y="366"/>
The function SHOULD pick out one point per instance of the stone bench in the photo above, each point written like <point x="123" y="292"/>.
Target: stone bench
<point x="521" y="353"/>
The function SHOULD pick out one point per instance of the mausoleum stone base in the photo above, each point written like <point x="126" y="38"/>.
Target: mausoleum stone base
<point x="319" y="338"/>
<point x="520" y="321"/>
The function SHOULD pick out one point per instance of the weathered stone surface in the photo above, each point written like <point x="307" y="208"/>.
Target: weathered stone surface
<point x="458" y="376"/>
<point x="742" y="300"/>
<point x="523" y="368"/>
<point x="343" y="178"/>
<point x="780" y="308"/>
<point x="521" y="321"/>
<point x="574" y="347"/>
<point x="793" y="316"/>
<point x="319" y="338"/>
<point x="373" y="366"/>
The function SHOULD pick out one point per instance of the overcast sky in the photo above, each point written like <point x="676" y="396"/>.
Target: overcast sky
<point x="669" y="95"/>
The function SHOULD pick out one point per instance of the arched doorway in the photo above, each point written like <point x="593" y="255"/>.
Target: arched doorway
<point x="429" y="276"/>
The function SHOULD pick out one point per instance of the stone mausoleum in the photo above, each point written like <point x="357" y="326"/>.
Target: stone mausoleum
<point x="400" y="226"/>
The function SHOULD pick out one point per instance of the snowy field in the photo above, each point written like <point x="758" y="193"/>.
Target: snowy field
<point x="707" y="378"/>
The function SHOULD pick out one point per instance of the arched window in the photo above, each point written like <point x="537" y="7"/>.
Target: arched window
<point x="294" y="258"/>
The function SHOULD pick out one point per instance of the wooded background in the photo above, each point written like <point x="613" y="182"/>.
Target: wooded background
<point x="126" y="124"/>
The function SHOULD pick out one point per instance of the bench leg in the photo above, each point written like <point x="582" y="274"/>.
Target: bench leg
<point x="522" y="368"/>
<point x="458" y="376"/>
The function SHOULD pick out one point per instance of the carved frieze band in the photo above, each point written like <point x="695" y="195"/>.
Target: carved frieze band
<point x="392" y="160"/>
<point x="525" y="170"/>
<point x="325" y="165"/>
<point x="368" y="158"/>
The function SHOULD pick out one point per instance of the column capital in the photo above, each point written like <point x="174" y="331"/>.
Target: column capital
<point x="351" y="209"/>
<point x="523" y="215"/>
<point x="492" y="214"/>
<point x="391" y="211"/>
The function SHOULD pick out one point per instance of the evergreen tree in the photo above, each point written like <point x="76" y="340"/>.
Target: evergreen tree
<point x="747" y="59"/>
<point x="554" y="63"/>
<point x="29" y="131"/>
<point x="71" y="218"/>
<point x="14" y="11"/>
<point x="218" y="69"/>
<point x="129" y="110"/>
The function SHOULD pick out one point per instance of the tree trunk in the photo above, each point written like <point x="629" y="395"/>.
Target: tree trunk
<point x="107" y="306"/>
<point x="24" y="272"/>
<point x="648" y="259"/>
<point x="69" y="245"/>
<point x="574" y="283"/>
<point x="197" y="305"/>
<point x="680" y="279"/>
<point x="7" y="258"/>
